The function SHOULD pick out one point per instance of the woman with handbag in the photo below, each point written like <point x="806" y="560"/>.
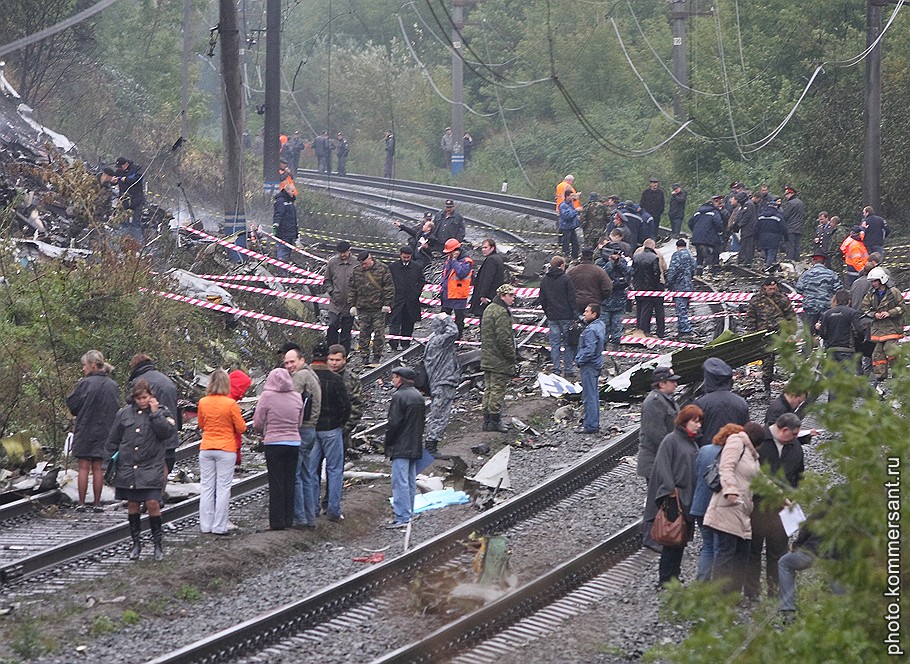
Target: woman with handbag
<point x="138" y="437"/>
<point x="221" y="424"/>
<point x="670" y="491"/>
<point x="729" y="511"/>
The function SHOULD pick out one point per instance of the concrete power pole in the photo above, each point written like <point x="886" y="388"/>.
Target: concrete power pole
<point x="872" y="109"/>
<point x="272" y="128"/>
<point x="231" y="120"/>
<point x="457" y="85"/>
<point x="678" y="16"/>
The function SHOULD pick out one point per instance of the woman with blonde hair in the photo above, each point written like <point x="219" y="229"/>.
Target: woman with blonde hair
<point x="730" y="508"/>
<point x="221" y="423"/>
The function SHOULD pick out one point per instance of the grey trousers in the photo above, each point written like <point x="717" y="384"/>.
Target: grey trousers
<point x="440" y="412"/>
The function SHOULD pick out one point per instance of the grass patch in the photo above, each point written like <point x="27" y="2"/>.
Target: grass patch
<point x="130" y="617"/>
<point x="102" y="625"/>
<point x="188" y="593"/>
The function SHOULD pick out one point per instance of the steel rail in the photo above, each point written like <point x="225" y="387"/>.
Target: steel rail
<point x="99" y="540"/>
<point x="23" y="506"/>
<point x="261" y="631"/>
<point x="486" y="622"/>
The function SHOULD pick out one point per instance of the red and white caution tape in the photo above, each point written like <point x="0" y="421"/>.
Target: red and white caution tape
<point x="252" y="254"/>
<point x="311" y="281"/>
<point x="292" y="247"/>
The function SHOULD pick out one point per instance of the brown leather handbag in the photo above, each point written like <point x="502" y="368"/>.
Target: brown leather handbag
<point x="670" y="528"/>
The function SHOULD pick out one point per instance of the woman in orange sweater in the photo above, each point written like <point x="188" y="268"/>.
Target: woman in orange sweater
<point x="221" y="424"/>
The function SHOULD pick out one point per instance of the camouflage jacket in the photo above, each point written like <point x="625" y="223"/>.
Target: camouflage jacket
<point x="355" y="392"/>
<point x="373" y="289"/>
<point x="817" y="286"/>
<point x="766" y="313"/>
<point x="594" y="219"/>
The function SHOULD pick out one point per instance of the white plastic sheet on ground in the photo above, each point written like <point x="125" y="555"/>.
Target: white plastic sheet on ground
<point x="552" y="385"/>
<point x="435" y="500"/>
<point x="495" y="472"/>
<point x="622" y="382"/>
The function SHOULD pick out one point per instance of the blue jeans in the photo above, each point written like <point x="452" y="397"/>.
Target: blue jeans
<point x="558" y="330"/>
<point x="404" y="488"/>
<point x="590" y="396"/>
<point x="613" y="322"/>
<point x="787" y="567"/>
<point x="708" y="551"/>
<point x="304" y="507"/>
<point x="683" y="326"/>
<point x="329" y="445"/>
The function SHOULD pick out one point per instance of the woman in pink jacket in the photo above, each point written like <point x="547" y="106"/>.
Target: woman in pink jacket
<point x="278" y="416"/>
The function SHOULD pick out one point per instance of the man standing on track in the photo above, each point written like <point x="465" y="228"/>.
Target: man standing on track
<point x="337" y="281"/>
<point x="404" y="443"/>
<point x="407" y="276"/>
<point x="653" y="201"/>
<point x="490" y="275"/>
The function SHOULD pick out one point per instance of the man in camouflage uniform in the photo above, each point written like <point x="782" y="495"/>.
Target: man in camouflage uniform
<point x="371" y="295"/>
<point x="593" y="220"/>
<point x="817" y="285"/>
<point x="497" y="356"/>
<point x="884" y="303"/>
<point x="765" y="311"/>
<point x="338" y="361"/>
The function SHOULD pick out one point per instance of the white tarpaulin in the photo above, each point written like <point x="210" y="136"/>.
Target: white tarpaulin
<point x="495" y="472"/>
<point x="552" y="385"/>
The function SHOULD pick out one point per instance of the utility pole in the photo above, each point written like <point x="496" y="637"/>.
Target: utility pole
<point x="185" y="98"/>
<point x="872" y="109"/>
<point x="272" y="123"/>
<point x="678" y="16"/>
<point x="457" y="85"/>
<point x="231" y="121"/>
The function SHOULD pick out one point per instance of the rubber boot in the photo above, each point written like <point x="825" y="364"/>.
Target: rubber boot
<point x="135" y="527"/>
<point x="432" y="447"/>
<point x="155" y="522"/>
<point x="486" y="422"/>
<point x="496" y="423"/>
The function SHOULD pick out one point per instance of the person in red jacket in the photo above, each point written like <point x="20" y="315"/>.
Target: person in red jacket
<point x="240" y="383"/>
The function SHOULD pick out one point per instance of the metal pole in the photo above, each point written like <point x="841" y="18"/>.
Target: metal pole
<point x="272" y="127"/>
<point x="678" y="15"/>
<point x="187" y="58"/>
<point x="457" y="85"/>
<point x="231" y="121"/>
<point x="872" y="110"/>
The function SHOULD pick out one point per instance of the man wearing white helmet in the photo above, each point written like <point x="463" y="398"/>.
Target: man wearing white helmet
<point x="885" y="305"/>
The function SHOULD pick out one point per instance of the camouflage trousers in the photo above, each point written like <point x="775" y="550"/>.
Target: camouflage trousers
<point x="494" y="391"/>
<point x="440" y="412"/>
<point x="372" y="326"/>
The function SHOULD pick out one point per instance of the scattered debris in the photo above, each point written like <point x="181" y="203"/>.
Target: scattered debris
<point x="372" y="559"/>
<point x="495" y="472"/>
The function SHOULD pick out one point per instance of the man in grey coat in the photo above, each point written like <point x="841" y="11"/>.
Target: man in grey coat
<point x="658" y="413"/>
<point x="443" y="372"/>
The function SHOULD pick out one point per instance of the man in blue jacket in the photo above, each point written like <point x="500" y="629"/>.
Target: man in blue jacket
<point x="568" y="222"/>
<point x="707" y="226"/>
<point x="679" y="279"/>
<point x="590" y="361"/>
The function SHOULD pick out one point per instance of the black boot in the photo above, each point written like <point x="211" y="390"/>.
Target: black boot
<point x="135" y="526"/>
<point x="432" y="447"/>
<point x="496" y="423"/>
<point x="155" y="522"/>
<point x="486" y="422"/>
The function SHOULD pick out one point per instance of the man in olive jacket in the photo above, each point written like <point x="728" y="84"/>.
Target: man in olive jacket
<point x="497" y="356"/>
<point x="404" y="443"/>
<point x="371" y="293"/>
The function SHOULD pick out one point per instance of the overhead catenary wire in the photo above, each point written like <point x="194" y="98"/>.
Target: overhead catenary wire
<point x="723" y="69"/>
<point x="57" y="27"/>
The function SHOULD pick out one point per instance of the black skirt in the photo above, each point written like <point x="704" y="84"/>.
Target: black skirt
<point x="137" y="495"/>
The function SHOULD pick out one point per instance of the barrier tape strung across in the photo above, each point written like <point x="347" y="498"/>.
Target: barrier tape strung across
<point x="259" y="277"/>
<point x="290" y="246"/>
<point x="252" y="254"/>
<point x="287" y="295"/>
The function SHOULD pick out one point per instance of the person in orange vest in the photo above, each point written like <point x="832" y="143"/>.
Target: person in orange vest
<point x="457" y="272"/>
<point x="563" y="189"/>
<point x="855" y="254"/>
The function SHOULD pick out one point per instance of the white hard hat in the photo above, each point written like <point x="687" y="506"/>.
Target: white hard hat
<point x="878" y="273"/>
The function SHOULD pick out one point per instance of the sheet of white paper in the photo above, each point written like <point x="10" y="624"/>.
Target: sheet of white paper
<point x="791" y="518"/>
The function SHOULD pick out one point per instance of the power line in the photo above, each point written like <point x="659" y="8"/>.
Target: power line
<point x="58" y="27"/>
<point x="723" y="68"/>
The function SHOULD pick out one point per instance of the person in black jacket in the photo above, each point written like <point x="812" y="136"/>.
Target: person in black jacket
<point x="770" y="231"/>
<point x="407" y="275"/>
<point x="334" y="411"/>
<point x="840" y="327"/>
<point x="404" y="443"/>
<point x="707" y="226"/>
<point x="652" y="200"/>
<point x="165" y="391"/>
<point x="646" y="276"/>
<point x="557" y="298"/>
<point x="284" y="218"/>
<point x="720" y="405"/>
<point x="131" y="185"/>
<point x="875" y="231"/>
<point x="781" y="457"/>
<point x="94" y="401"/>
<point x="422" y="241"/>
<point x="786" y="402"/>
<point x="677" y="210"/>
<point x="490" y="276"/>
<point x="449" y="225"/>
<point x="343" y="147"/>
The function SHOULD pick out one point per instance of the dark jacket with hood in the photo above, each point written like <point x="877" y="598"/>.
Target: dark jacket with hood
<point x="165" y="392"/>
<point x="284" y="216"/>
<point x="557" y="295"/>
<point x="439" y="357"/>
<point x="95" y="401"/>
<point x="404" y="432"/>
<point x="718" y="402"/>
<point x="139" y="437"/>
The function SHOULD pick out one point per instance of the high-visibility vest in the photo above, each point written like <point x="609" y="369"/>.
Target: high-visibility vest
<point x="855" y="253"/>
<point x="563" y="189"/>
<point x="458" y="289"/>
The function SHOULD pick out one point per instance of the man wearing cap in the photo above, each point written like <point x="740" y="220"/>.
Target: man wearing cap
<point x="767" y="309"/>
<point x="343" y="148"/>
<point x="817" y="285"/>
<point x="653" y="200"/>
<point x="449" y="225"/>
<point x="592" y="285"/>
<point x="338" y="272"/>
<point x="746" y="222"/>
<point x="371" y="295"/>
<point x="284" y="218"/>
<point x="658" y="414"/>
<point x="875" y="230"/>
<point x="498" y="356"/>
<point x="404" y="443"/>
<point x="131" y="185"/>
<point x="679" y="279"/>
<point x="884" y="303"/>
<point x="794" y="211"/>
<point x="707" y="226"/>
<point x="590" y="360"/>
<point x="407" y="277"/>
<point x="569" y="220"/>
<point x="447" y="145"/>
<point x="855" y="254"/>
<point x="677" y="211"/>
<point x="490" y="275"/>
<point x="457" y="272"/>
<point x="770" y="231"/>
<point x="593" y="220"/>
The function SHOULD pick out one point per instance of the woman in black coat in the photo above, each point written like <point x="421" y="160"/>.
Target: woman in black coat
<point x="137" y="438"/>
<point x="94" y="402"/>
